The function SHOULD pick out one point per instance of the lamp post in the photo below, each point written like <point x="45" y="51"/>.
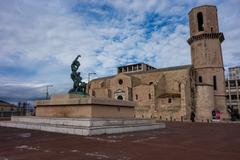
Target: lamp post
<point x="47" y="94"/>
<point x="89" y="75"/>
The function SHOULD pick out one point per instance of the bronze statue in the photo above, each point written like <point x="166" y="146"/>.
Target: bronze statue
<point x="79" y="87"/>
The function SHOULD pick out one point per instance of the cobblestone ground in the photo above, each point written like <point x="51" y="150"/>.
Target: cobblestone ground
<point x="179" y="141"/>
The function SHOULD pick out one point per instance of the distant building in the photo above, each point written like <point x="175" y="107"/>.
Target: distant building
<point x="233" y="91"/>
<point x="234" y="73"/>
<point x="175" y="93"/>
<point x="7" y="109"/>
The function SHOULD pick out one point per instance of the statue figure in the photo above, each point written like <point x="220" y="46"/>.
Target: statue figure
<point x="79" y="87"/>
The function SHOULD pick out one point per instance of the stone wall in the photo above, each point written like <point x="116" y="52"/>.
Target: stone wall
<point x="146" y="89"/>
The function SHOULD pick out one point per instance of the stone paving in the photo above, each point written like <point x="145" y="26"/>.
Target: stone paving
<point x="179" y="141"/>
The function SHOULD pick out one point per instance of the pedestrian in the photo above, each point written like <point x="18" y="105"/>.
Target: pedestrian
<point x="192" y="116"/>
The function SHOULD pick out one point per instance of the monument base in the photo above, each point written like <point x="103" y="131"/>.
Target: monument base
<point x="83" y="115"/>
<point x="73" y="106"/>
<point x="83" y="126"/>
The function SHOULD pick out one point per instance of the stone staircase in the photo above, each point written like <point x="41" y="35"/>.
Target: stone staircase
<point x="82" y="126"/>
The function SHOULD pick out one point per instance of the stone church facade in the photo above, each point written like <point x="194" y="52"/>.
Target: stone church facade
<point x="173" y="93"/>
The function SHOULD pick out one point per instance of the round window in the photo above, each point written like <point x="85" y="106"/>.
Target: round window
<point x="120" y="81"/>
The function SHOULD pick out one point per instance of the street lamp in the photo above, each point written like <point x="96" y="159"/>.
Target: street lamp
<point x="89" y="74"/>
<point x="47" y="94"/>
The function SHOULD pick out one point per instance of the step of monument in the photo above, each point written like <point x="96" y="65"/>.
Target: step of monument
<point x="81" y="121"/>
<point x="83" y="130"/>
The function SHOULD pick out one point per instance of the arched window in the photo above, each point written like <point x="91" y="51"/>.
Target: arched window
<point x="200" y="79"/>
<point x="120" y="97"/>
<point x="149" y="96"/>
<point x="169" y="100"/>
<point x="215" y="82"/>
<point x="136" y="97"/>
<point x="200" y="21"/>
<point x="93" y="93"/>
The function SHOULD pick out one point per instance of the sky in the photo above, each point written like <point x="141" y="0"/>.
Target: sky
<point x="40" y="38"/>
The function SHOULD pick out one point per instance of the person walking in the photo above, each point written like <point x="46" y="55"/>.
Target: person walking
<point x="192" y="116"/>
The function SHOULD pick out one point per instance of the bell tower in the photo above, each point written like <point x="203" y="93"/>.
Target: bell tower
<point x="206" y="53"/>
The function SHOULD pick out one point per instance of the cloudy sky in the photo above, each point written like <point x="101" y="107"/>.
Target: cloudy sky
<point x="40" y="38"/>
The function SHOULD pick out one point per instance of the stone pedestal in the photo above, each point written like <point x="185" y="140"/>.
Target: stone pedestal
<point x="83" y="115"/>
<point x="72" y="106"/>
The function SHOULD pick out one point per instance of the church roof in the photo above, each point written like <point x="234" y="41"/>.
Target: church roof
<point x="167" y="69"/>
<point x="150" y="71"/>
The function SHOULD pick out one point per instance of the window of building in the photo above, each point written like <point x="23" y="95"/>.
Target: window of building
<point x="226" y="84"/>
<point x="215" y="82"/>
<point x="200" y="79"/>
<point x="135" y="67"/>
<point x="149" y="96"/>
<point x="232" y="84"/>
<point x="233" y="97"/>
<point x="227" y="96"/>
<point x="120" y="81"/>
<point x="119" y="70"/>
<point x="120" y="97"/>
<point x="139" y="66"/>
<point x="169" y="100"/>
<point x="136" y="97"/>
<point x="200" y="21"/>
<point x="93" y="93"/>
<point x="130" y="68"/>
<point x="211" y="29"/>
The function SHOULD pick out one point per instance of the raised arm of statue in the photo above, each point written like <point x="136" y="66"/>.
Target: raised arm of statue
<point x="75" y="64"/>
<point x="77" y="57"/>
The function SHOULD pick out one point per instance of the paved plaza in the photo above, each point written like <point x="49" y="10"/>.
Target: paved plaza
<point x="179" y="141"/>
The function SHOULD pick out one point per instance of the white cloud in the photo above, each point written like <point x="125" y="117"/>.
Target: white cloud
<point x="45" y="36"/>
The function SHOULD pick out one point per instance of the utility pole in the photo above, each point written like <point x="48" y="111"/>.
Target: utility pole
<point x="89" y="75"/>
<point x="47" y="94"/>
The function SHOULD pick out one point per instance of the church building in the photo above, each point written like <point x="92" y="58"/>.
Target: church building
<point x="175" y="93"/>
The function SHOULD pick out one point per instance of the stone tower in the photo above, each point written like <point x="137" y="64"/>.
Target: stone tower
<point x="205" y="41"/>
